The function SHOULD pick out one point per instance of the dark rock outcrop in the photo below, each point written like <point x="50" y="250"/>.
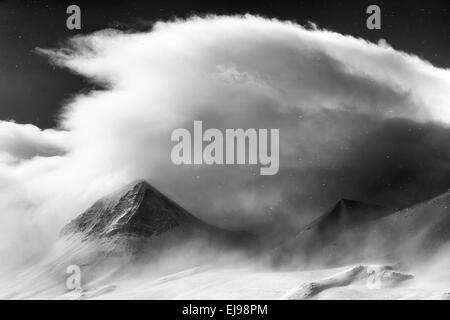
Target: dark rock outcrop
<point x="138" y="214"/>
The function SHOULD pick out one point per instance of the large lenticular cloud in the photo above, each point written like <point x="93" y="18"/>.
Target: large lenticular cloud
<point x="356" y="119"/>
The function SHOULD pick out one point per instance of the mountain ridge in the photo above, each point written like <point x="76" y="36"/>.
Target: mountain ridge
<point x="136" y="209"/>
<point x="141" y="211"/>
<point x="386" y="234"/>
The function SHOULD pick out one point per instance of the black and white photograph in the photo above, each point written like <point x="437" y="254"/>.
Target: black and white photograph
<point x="225" y="151"/>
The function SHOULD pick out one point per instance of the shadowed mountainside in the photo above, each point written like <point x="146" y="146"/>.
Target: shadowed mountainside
<point x="354" y="231"/>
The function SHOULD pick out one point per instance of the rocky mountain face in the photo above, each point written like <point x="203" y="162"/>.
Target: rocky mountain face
<point x="139" y="214"/>
<point x="138" y="209"/>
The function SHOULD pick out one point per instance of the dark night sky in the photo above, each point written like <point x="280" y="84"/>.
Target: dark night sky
<point x="32" y="91"/>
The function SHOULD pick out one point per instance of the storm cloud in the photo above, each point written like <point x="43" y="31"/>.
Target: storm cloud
<point x="357" y="120"/>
